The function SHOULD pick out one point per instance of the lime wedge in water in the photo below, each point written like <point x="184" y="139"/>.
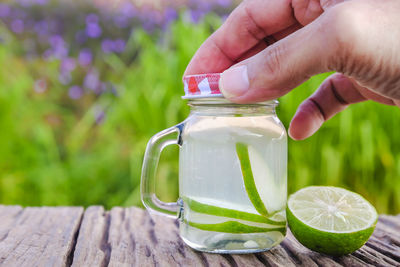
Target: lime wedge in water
<point x="330" y="220"/>
<point x="248" y="179"/>
<point x="218" y="219"/>
<point x="235" y="228"/>
<point x="270" y="187"/>
<point x="230" y="213"/>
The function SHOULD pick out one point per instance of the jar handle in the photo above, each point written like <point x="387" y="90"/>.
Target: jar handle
<point x="148" y="180"/>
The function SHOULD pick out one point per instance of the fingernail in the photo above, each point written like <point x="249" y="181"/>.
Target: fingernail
<point x="234" y="82"/>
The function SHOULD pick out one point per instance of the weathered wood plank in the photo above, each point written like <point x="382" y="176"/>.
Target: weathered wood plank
<point x="38" y="236"/>
<point x="8" y="215"/>
<point x="91" y="246"/>
<point x="130" y="237"/>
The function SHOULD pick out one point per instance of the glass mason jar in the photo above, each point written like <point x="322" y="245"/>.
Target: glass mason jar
<point x="232" y="176"/>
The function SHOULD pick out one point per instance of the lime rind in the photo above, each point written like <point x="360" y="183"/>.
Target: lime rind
<point x="334" y="244"/>
<point x="315" y="215"/>
<point x="271" y="188"/>
<point x="212" y="219"/>
<point x="248" y="179"/>
<point x="234" y="227"/>
<point x="230" y="213"/>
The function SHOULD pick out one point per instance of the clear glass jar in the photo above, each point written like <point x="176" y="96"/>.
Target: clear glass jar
<point x="232" y="176"/>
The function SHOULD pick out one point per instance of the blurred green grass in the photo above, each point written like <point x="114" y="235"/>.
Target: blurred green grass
<point x="53" y="153"/>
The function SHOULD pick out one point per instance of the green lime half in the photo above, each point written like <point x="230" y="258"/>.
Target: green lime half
<point x="248" y="179"/>
<point x="330" y="220"/>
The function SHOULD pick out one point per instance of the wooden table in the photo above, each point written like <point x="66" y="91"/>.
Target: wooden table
<point x="72" y="236"/>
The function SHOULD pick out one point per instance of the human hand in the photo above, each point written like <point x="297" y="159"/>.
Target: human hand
<point x="268" y="47"/>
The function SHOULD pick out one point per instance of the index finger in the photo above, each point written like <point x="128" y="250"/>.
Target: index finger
<point x="245" y="28"/>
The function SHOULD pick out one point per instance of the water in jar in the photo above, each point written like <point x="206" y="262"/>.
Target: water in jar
<point x="233" y="183"/>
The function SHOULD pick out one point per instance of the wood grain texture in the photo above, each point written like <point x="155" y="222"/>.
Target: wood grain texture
<point x="91" y="246"/>
<point x="131" y="237"/>
<point x="38" y="236"/>
<point x="8" y="215"/>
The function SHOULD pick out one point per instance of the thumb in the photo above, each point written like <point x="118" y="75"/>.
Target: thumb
<point x="282" y="66"/>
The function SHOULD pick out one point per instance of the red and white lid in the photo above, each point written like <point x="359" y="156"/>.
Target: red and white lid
<point x="201" y="86"/>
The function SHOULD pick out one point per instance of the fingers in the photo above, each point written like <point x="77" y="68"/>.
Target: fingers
<point x="307" y="11"/>
<point x="247" y="25"/>
<point x="333" y="96"/>
<point x="269" y="40"/>
<point x="280" y="67"/>
<point x="369" y="94"/>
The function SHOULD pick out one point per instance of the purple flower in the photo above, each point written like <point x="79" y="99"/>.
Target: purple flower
<point x="148" y="26"/>
<point x="60" y="51"/>
<point x="205" y="6"/>
<point x="224" y="3"/>
<point x="17" y="26"/>
<point x="170" y="14"/>
<point x="107" y="46"/>
<point x="40" y="86"/>
<point x="67" y="64"/>
<point x="92" y="18"/>
<point x="91" y="80"/>
<point x="65" y="77"/>
<point x="196" y="15"/>
<point x="5" y="10"/>
<point x="119" y="45"/>
<point x="128" y="10"/>
<point x="150" y="17"/>
<point x="41" y="27"/>
<point x="93" y="30"/>
<point x="75" y="92"/>
<point x="56" y="40"/>
<point x="202" y="5"/>
<point x="85" y="57"/>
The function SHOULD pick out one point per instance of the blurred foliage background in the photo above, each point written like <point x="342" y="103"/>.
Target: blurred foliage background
<point x="85" y="84"/>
